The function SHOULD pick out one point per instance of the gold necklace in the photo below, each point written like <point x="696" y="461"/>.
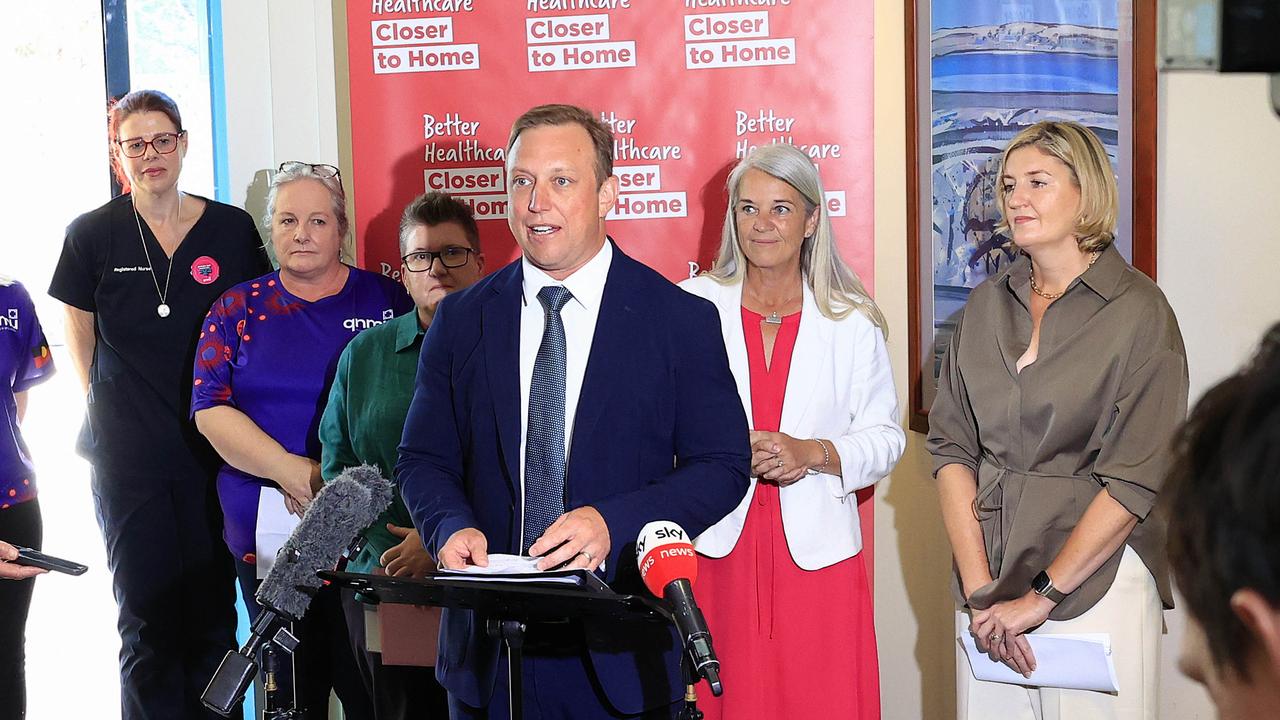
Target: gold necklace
<point x="1093" y="258"/>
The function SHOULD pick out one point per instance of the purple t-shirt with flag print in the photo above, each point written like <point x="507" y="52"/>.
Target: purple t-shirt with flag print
<point x="272" y="355"/>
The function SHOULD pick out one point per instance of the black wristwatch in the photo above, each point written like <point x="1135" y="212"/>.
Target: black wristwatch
<point x="1043" y="586"/>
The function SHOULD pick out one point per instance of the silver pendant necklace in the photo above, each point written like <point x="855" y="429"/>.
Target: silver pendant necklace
<point x="163" y="308"/>
<point x="774" y="318"/>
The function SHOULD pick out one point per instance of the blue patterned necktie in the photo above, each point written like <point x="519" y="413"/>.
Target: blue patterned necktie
<point x="544" y="461"/>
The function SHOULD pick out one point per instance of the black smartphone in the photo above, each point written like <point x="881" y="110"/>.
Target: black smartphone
<point x="27" y="556"/>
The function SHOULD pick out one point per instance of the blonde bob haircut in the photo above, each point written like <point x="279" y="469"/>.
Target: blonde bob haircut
<point x="1081" y="151"/>
<point x="835" y="286"/>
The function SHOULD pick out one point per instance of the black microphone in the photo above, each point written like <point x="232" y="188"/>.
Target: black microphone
<point x="340" y="512"/>
<point x="668" y="566"/>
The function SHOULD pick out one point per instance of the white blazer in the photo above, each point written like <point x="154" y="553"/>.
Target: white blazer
<point x="839" y="388"/>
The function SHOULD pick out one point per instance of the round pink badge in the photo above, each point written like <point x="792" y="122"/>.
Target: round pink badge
<point x="205" y="270"/>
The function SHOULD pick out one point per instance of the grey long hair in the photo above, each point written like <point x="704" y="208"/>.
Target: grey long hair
<point x="836" y="287"/>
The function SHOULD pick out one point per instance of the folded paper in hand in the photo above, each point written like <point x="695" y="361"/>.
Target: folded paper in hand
<point x="1076" y="661"/>
<point x="274" y="526"/>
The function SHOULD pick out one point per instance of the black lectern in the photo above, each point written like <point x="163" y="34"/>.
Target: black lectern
<point x="510" y="602"/>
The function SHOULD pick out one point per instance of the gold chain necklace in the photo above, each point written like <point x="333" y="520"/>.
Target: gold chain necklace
<point x="1093" y="258"/>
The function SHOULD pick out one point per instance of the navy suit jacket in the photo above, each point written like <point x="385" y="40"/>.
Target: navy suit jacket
<point x="659" y="434"/>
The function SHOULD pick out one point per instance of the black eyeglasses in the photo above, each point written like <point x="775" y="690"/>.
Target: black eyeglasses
<point x="320" y="169"/>
<point x="451" y="257"/>
<point x="163" y="143"/>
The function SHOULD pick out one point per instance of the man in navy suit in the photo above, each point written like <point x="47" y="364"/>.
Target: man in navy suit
<point x="562" y="403"/>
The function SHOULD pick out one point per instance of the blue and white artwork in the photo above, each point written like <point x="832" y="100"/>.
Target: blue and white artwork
<point x="996" y="68"/>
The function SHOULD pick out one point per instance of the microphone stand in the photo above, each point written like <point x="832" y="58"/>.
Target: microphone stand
<point x="277" y="657"/>
<point x="279" y="704"/>
<point x="689" y="711"/>
<point x="268" y="636"/>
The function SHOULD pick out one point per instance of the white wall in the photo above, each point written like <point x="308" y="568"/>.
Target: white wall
<point x="281" y="90"/>
<point x="1219" y="205"/>
<point x="1219" y="250"/>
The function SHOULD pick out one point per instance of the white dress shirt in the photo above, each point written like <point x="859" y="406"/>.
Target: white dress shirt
<point x="579" y="315"/>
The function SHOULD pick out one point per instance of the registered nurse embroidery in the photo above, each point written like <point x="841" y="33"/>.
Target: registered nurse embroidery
<point x="205" y="270"/>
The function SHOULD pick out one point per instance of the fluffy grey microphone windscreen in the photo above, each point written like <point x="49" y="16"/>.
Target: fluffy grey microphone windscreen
<point x="340" y="511"/>
<point x="380" y="489"/>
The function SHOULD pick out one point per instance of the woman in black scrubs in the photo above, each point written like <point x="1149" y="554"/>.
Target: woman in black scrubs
<point x="137" y="276"/>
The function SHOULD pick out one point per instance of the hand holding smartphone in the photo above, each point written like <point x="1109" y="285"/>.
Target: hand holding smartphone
<point x="33" y="558"/>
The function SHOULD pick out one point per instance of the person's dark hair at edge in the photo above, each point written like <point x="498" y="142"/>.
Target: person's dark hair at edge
<point x="551" y="115"/>
<point x="436" y="208"/>
<point x="1223" y="502"/>
<point x="138" y="101"/>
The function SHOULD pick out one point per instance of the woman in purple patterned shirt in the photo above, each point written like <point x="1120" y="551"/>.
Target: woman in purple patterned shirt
<point x="264" y="361"/>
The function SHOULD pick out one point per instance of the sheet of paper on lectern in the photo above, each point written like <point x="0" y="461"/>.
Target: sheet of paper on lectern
<point x="509" y="568"/>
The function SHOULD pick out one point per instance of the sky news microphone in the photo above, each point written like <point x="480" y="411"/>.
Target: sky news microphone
<point x="668" y="566"/>
<point x="339" y="513"/>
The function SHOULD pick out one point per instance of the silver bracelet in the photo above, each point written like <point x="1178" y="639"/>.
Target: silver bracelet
<point x="826" y="458"/>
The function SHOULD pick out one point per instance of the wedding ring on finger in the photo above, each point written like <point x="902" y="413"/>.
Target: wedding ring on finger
<point x="586" y="555"/>
<point x="779" y="462"/>
<point x="996" y="638"/>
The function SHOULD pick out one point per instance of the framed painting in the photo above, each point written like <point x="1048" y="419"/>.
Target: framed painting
<point x="977" y="74"/>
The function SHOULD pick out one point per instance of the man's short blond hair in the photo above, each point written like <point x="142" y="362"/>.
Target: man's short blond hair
<point x="553" y="115"/>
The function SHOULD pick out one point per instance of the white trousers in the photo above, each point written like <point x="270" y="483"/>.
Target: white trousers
<point x="1130" y="613"/>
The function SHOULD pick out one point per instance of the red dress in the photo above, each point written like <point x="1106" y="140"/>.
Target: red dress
<point x="793" y="643"/>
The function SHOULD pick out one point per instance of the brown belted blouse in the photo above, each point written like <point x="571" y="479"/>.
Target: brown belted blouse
<point x="1097" y="409"/>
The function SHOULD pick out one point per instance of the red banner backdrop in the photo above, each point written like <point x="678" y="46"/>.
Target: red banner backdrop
<point x="688" y="87"/>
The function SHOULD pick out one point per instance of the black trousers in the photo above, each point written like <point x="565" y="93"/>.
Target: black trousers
<point x="399" y="692"/>
<point x="323" y="660"/>
<point x="19" y="525"/>
<point x="173" y="583"/>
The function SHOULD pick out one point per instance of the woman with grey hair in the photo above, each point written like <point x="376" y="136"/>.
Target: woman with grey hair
<point x="784" y="586"/>
<point x="263" y="367"/>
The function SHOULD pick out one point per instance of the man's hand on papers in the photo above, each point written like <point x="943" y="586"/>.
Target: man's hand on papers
<point x="408" y="558"/>
<point x="468" y="546"/>
<point x="578" y="537"/>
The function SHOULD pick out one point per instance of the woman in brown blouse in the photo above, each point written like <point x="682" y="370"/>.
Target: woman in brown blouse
<point x="1057" y="399"/>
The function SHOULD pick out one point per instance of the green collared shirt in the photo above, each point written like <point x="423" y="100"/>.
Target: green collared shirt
<point x="365" y="416"/>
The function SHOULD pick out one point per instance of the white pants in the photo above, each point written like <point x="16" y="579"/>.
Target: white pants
<point x="1130" y="612"/>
